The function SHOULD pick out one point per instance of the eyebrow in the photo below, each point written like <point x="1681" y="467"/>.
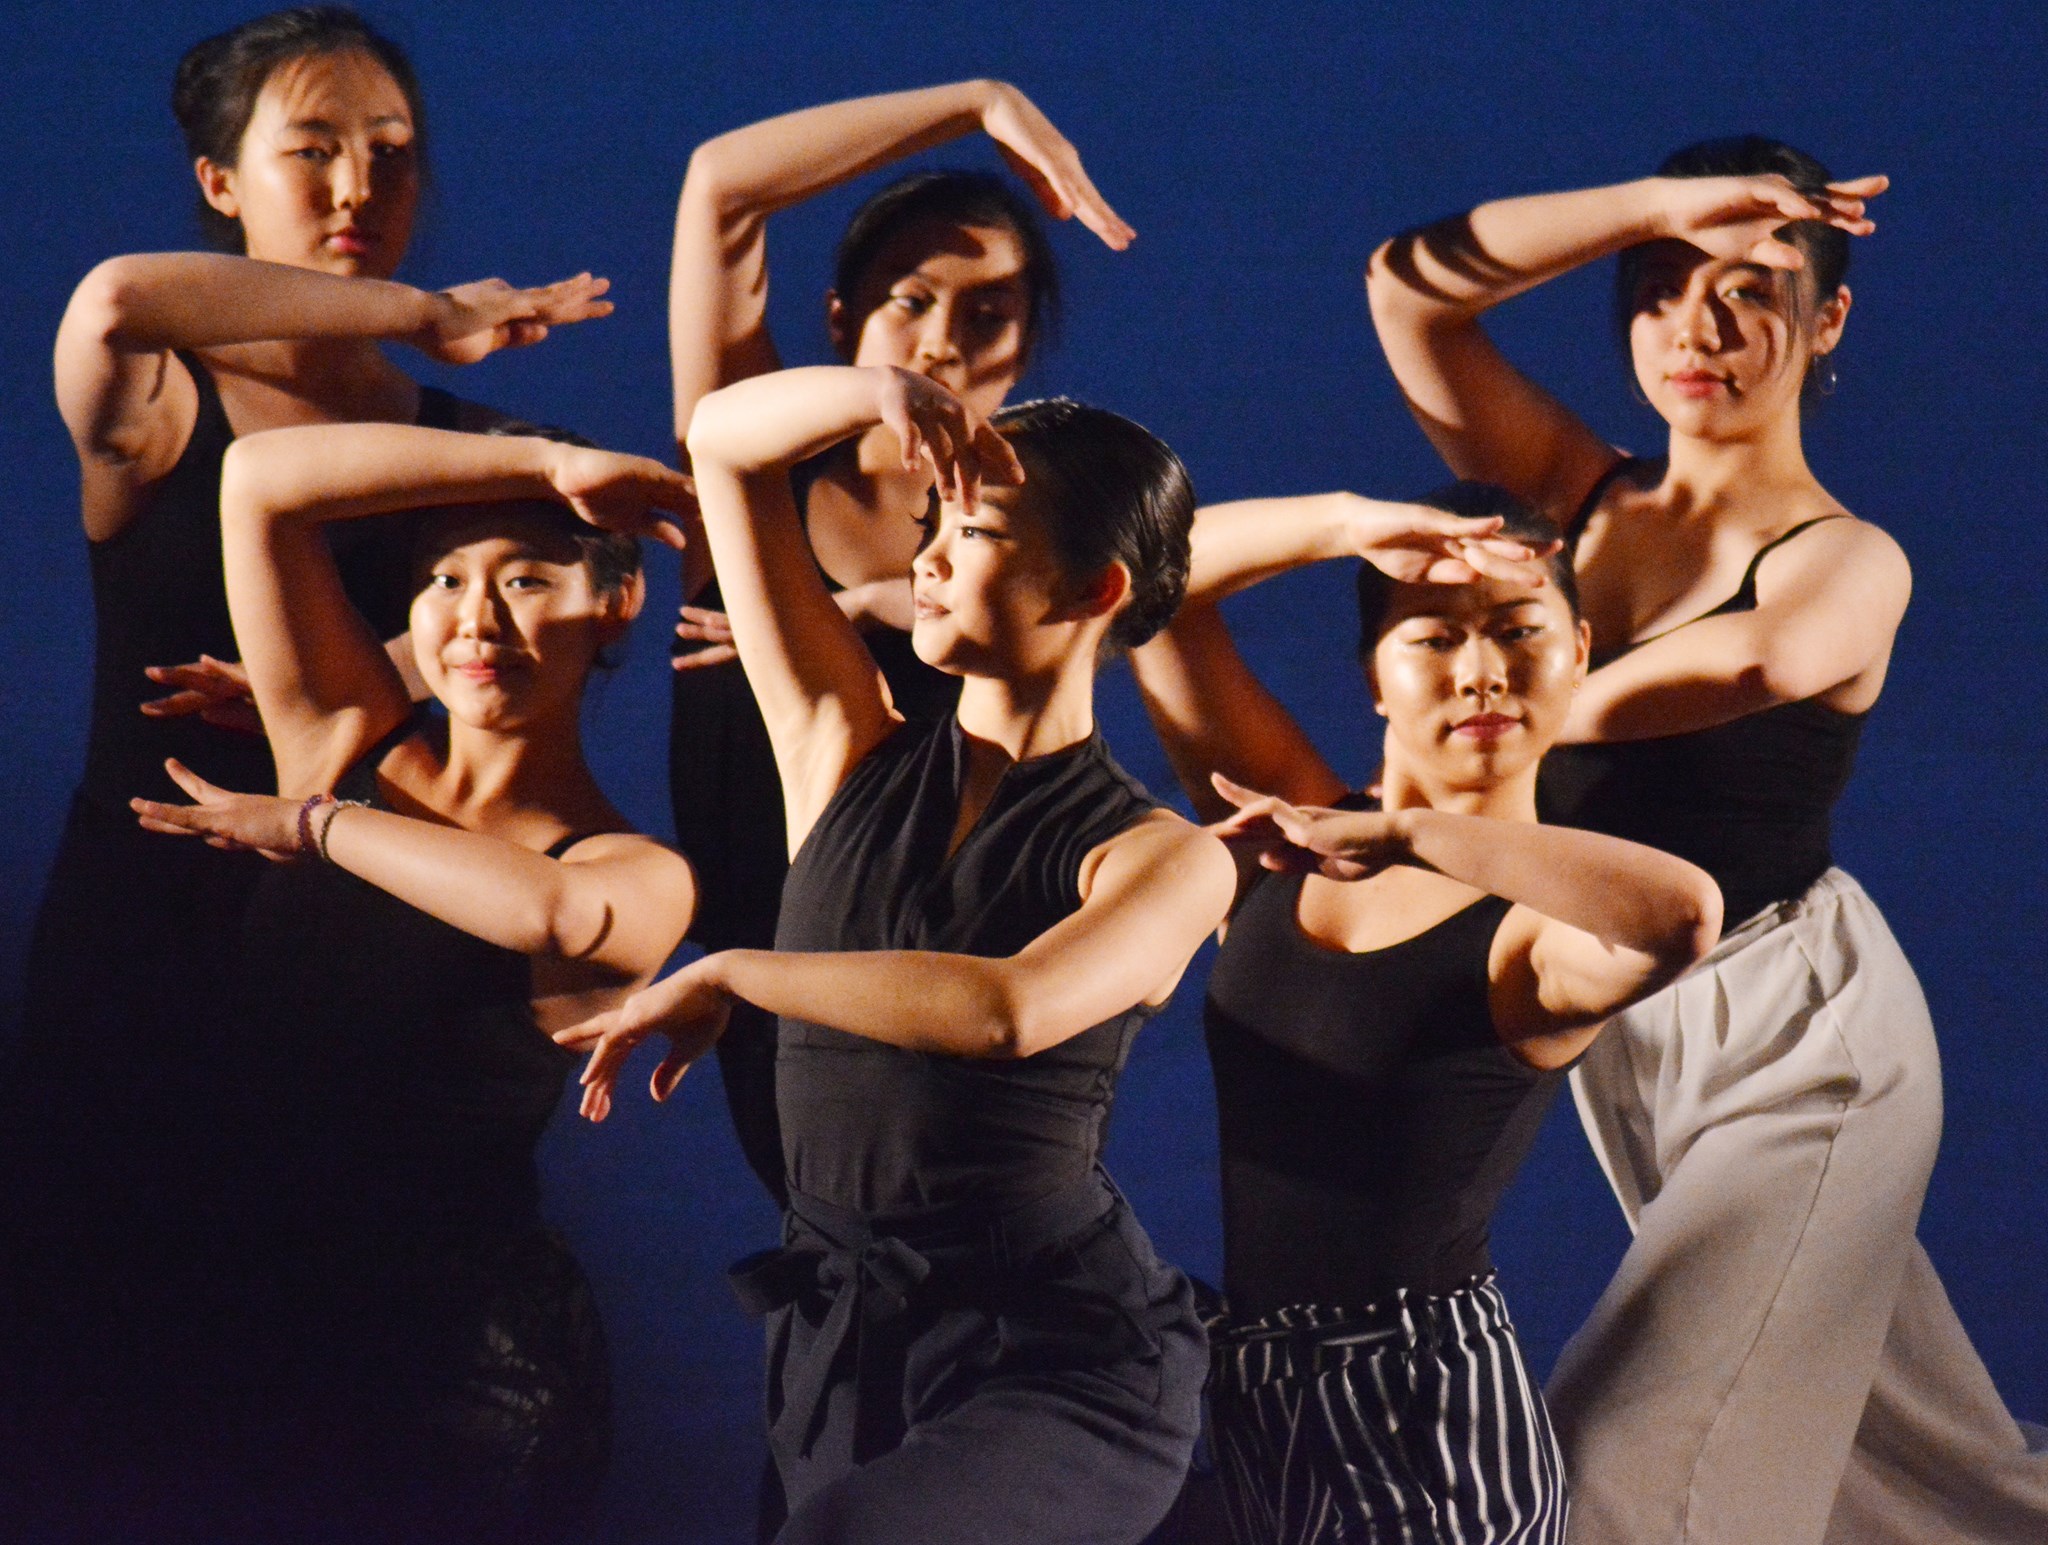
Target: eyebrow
<point x="325" y="126"/>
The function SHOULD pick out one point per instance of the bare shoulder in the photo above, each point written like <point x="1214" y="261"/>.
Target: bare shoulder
<point x="1841" y="548"/>
<point x="1168" y="847"/>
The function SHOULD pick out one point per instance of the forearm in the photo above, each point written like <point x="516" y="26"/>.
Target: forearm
<point x="770" y="423"/>
<point x="312" y="474"/>
<point x="954" y="1005"/>
<point x="1238" y="544"/>
<point x="499" y="892"/>
<point x="1625" y="894"/>
<point x="781" y="161"/>
<point x="1212" y="714"/>
<point x="1462" y="266"/>
<point x="172" y="300"/>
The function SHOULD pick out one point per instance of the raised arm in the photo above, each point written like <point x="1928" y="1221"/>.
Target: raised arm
<point x="130" y="405"/>
<point x="1828" y="605"/>
<point x="322" y="682"/>
<point x="1151" y="896"/>
<point x="718" y="285"/>
<point x="1429" y="288"/>
<point x="1598" y="922"/>
<point x="820" y="695"/>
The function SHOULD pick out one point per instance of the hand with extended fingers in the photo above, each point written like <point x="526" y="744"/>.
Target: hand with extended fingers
<point x="1740" y="217"/>
<point x="216" y="690"/>
<point x="1310" y="839"/>
<point x="687" y="1007"/>
<point x="934" y="427"/>
<point x="1416" y="544"/>
<point x="617" y="492"/>
<point x="260" y="823"/>
<point x="474" y="320"/>
<point x="1042" y="156"/>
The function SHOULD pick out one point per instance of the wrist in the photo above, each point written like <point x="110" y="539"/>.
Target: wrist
<point x="426" y="311"/>
<point x="984" y="96"/>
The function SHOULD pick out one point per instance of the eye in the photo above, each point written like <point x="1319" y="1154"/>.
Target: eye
<point x="1435" y="643"/>
<point x="527" y="582"/>
<point x="318" y="155"/>
<point x="391" y="150"/>
<point x="1516" y="632"/>
<point x="910" y="303"/>
<point x="443" y="582"/>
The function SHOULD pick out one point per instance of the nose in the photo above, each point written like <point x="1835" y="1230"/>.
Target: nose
<point x="1482" y="669"/>
<point x="1699" y="322"/>
<point x="935" y="341"/>
<point x="476" y="612"/>
<point x="931" y="561"/>
<point x="351" y="179"/>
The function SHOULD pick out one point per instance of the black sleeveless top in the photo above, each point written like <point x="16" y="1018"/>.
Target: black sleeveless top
<point x="1749" y="801"/>
<point x="876" y="1128"/>
<point x="1370" y="1116"/>
<point x="400" y="1068"/>
<point x="160" y="598"/>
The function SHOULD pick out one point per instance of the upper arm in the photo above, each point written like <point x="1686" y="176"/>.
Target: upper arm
<point x="129" y="411"/>
<point x="1153" y="893"/>
<point x="1212" y="714"/>
<point x="1828" y="604"/>
<point x="1486" y="419"/>
<point x="322" y="681"/>
<point x="628" y="901"/>
<point x="1554" y="985"/>
<point x="718" y="289"/>
<point x="819" y="691"/>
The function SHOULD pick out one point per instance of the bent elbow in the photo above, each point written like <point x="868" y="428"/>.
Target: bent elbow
<point x="1694" y="927"/>
<point x="105" y="304"/>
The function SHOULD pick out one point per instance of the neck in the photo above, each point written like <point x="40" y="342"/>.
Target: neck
<point x="1711" y="471"/>
<point x="490" y="771"/>
<point x="1034" y="716"/>
<point x="354" y="364"/>
<point x="1512" y="798"/>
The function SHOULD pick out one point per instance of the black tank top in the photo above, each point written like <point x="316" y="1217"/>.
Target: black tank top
<point x="400" y="1069"/>
<point x="1749" y="801"/>
<point x="159" y="598"/>
<point x="875" y="1128"/>
<point x="1370" y="1116"/>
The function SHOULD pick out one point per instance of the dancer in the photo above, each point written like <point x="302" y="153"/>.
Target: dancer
<point x="429" y="1358"/>
<point x="1775" y="1359"/>
<point x="970" y="1335"/>
<point x="304" y="127"/>
<point x="945" y="273"/>
<point x="1391" y="1011"/>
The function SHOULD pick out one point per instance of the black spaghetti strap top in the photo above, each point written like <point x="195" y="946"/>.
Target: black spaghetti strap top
<point x="1749" y="801"/>
<point x="160" y="598"/>
<point x="1370" y="1116"/>
<point x="400" y="1065"/>
<point x="875" y="1128"/>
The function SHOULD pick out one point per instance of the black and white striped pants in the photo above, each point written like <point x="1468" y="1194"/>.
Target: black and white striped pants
<point x="1411" y="1421"/>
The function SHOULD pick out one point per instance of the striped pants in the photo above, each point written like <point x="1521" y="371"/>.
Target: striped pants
<point x="1413" y="1420"/>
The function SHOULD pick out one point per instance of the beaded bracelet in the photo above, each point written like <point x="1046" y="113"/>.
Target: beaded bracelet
<point x="339" y="806"/>
<point x="313" y="802"/>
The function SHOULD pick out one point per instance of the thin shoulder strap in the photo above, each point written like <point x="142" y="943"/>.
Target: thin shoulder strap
<point x="211" y="414"/>
<point x="1745" y="593"/>
<point x="359" y="781"/>
<point x="1577" y="524"/>
<point x="561" y="845"/>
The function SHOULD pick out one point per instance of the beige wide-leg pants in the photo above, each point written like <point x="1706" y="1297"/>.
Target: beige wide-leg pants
<point x="1775" y="1362"/>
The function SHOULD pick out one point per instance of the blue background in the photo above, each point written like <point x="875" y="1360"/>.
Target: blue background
<point x="1260" y="152"/>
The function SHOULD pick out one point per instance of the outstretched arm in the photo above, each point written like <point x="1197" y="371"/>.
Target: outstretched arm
<point x="1429" y="287"/>
<point x="1828" y="606"/>
<point x="1152" y="895"/>
<point x="820" y="694"/>
<point x="618" y="902"/>
<point x="323" y="683"/>
<point x="130" y="405"/>
<point x="1599" y="922"/>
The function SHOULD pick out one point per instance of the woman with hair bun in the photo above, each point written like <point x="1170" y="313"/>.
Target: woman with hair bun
<point x="1775" y="1359"/>
<point x="970" y="1337"/>
<point x="1392" y="1010"/>
<point x="947" y="273"/>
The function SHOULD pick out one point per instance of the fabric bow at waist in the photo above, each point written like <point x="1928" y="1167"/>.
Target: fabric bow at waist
<point x="866" y="1271"/>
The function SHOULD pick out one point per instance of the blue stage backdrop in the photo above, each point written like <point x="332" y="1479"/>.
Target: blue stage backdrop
<point x="1260" y="153"/>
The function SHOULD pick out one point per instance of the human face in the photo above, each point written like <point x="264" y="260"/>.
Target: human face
<point x="1720" y="346"/>
<point x="507" y="623"/>
<point x="1475" y="680"/>
<point x="989" y="594"/>
<point x="325" y="176"/>
<point x="948" y="301"/>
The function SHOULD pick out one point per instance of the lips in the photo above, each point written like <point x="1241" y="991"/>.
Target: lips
<point x="924" y="608"/>
<point x="1696" y="383"/>
<point x="1485" y="726"/>
<point x="353" y="241"/>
